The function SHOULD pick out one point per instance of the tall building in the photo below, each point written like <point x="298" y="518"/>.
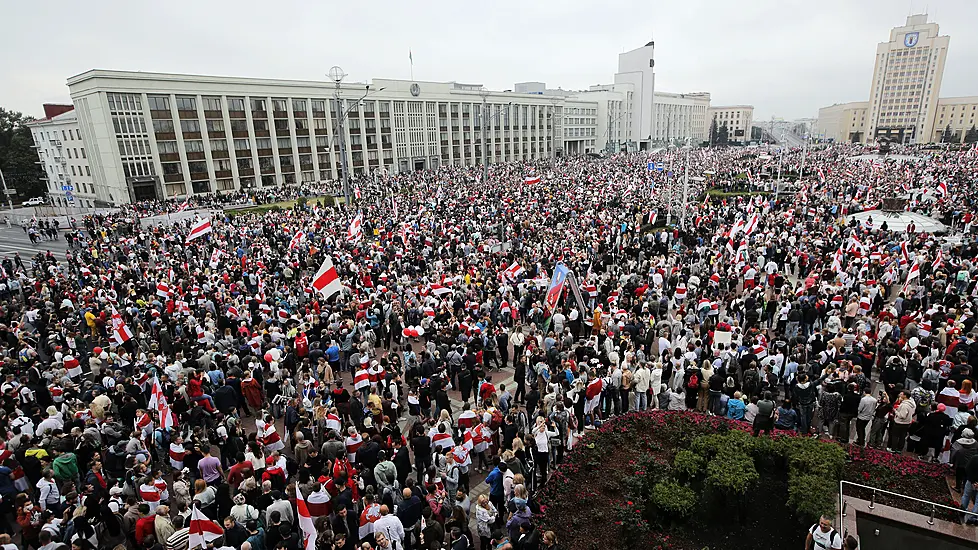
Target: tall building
<point x="613" y="115"/>
<point x="580" y="126"/>
<point x="906" y="83"/>
<point x="637" y="68"/>
<point x="61" y="153"/>
<point x="843" y="122"/>
<point x="152" y="135"/>
<point x="737" y="118"/>
<point x="680" y="117"/>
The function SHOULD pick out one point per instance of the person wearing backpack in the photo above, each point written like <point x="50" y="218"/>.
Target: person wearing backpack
<point x="822" y="536"/>
<point x="691" y="381"/>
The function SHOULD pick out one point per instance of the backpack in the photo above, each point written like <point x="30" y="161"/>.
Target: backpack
<point x="694" y="382"/>
<point x="497" y="419"/>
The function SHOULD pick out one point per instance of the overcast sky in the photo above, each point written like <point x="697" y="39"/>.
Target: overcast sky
<point x="786" y="57"/>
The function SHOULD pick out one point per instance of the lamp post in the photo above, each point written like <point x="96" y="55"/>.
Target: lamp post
<point x="336" y="74"/>
<point x="484" y="92"/>
<point x="554" y="101"/>
<point x="685" y="185"/>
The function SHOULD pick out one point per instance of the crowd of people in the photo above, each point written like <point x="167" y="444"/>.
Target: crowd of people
<point x="158" y="378"/>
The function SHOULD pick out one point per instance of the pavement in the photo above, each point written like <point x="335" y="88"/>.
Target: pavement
<point x="15" y="240"/>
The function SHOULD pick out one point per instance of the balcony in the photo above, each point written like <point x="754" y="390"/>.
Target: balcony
<point x="237" y="114"/>
<point x="220" y="154"/>
<point x="239" y="133"/>
<point x="222" y="174"/>
<point x="213" y="114"/>
<point x="172" y="177"/>
<point x="259" y="114"/>
<point x="165" y="136"/>
<point x="281" y="114"/>
<point x="195" y="156"/>
<point x="169" y="157"/>
<point x="187" y="114"/>
<point x="246" y="171"/>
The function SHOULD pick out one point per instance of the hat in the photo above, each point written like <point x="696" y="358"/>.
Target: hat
<point x="52" y="410"/>
<point x="115" y="491"/>
<point x="967" y="433"/>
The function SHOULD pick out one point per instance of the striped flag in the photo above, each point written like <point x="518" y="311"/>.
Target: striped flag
<point x="306" y="524"/>
<point x="120" y="332"/>
<point x="355" y="232"/>
<point x="942" y="189"/>
<point x="202" y="530"/>
<point x="162" y="289"/>
<point x="326" y="280"/>
<point x="200" y="228"/>
<point x="530" y="180"/>
<point x="514" y="271"/>
<point x="296" y="240"/>
<point x="939" y="259"/>
<point x="185" y="205"/>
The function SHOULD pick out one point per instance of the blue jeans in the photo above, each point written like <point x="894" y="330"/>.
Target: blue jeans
<point x="805" y="414"/>
<point x="970" y="496"/>
<point x="640" y="401"/>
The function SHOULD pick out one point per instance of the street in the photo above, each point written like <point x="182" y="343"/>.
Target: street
<point x="14" y="240"/>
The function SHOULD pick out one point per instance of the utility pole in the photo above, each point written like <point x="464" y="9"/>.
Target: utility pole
<point x="337" y="74"/>
<point x="10" y="203"/>
<point x="669" y="191"/>
<point x="682" y="223"/>
<point x="485" y="146"/>
<point x="777" y="188"/>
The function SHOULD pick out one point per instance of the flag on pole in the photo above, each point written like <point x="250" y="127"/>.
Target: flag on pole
<point x="120" y="332"/>
<point x="911" y="275"/>
<point x="356" y="193"/>
<point x="202" y="530"/>
<point x="530" y="180"/>
<point x="837" y="260"/>
<point x="185" y="205"/>
<point x="200" y="228"/>
<point x="296" y="240"/>
<point x="651" y="217"/>
<point x="355" y="231"/>
<point x="514" y="271"/>
<point x="942" y="189"/>
<point x="305" y="522"/>
<point x="326" y="280"/>
<point x="939" y="259"/>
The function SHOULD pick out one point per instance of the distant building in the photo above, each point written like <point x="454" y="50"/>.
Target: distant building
<point x="681" y="117"/>
<point x="958" y="113"/>
<point x="61" y="152"/>
<point x="843" y="122"/>
<point x="637" y="69"/>
<point x="737" y="118"/>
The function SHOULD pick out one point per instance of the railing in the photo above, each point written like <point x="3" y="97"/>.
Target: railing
<point x="872" y="503"/>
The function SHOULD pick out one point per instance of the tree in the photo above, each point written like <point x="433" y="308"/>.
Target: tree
<point x="723" y="135"/>
<point x="713" y="132"/>
<point x="18" y="159"/>
<point x="972" y="135"/>
<point x="948" y="135"/>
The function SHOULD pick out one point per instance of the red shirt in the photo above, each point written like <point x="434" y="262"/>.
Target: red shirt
<point x="144" y="527"/>
<point x="238" y="472"/>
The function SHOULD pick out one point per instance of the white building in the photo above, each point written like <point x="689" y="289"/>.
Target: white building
<point x="61" y="153"/>
<point x="957" y="112"/>
<point x="162" y="135"/>
<point x="614" y="115"/>
<point x="580" y="126"/>
<point x="680" y="117"/>
<point x="843" y="122"/>
<point x="906" y="83"/>
<point x="737" y="118"/>
<point x="637" y="69"/>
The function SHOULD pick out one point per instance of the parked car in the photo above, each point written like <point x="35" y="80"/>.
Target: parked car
<point x="36" y="201"/>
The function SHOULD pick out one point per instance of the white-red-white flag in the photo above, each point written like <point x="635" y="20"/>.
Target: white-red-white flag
<point x="200" y="228"/>
<point x="514" y="271"/>
<point x="162" y="289"/>
<point x="326" y="280"/>
<point x="120" y="332"/>
<point x="355" y="231"/>
<point x="530" y="180"/>
<point x="185" y="205"/>
<point x="305" y="522"/>
<point x="202" y="530"/>
<point x="297" y="240"/>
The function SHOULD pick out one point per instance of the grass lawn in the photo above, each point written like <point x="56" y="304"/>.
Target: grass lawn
<point x="281" y="205"/>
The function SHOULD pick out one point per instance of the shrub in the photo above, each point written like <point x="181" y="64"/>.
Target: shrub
<point x="301" y="202"/>
<point x="731" y="472"/>
<point x="675" y="500"/>
<point x="810" y="456"/>
<point x="811" y="496"/>
<point x="688" y="464"/>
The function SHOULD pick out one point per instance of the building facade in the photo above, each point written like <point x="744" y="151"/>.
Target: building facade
<point x="737" y="118"/>
<point x="956" y="114"/>
<point x="153" y="135"/>
<point x="636" y="69"/>
<point x="680" y="117"/>
<point x="580" y="126"/>
<point x="62" y="155"/>
<point x="843" y="122"/>
<point x="906" y="83"/>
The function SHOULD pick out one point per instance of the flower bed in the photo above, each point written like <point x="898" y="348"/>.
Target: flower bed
<point x="686" y="481"/>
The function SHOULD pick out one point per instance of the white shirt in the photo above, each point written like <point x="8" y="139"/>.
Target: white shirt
<point x="391" y="526"/>
<point x="831" y="540"/>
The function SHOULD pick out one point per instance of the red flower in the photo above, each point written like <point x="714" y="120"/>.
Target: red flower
<point x="629" y="503"/>
<point x="866" y="476"/>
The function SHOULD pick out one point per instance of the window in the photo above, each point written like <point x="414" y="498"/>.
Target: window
<point x="244" y="163"/>
<point x="285" y="160"/>
<point x="88" y="172"/>
<point x="159" y="103"/>
<point x="235" y="104"/>
<point x="189" y="126"/>
<point x="284" y="143"/>
<point x="263" y="143"/>
<point x="385" y="108"/>
<point x="212" y="103"/>
<point x="260" y="125"/>
<point x="239" y="125"/>
<point x="197" y="167"/>
<point x="257" y="104"/>
<point x="201" y="186"/>
<point x="69" y="152"/>
<point x="222" y="165"/>
<point x="279" y="105"/>
<point x="215" y="125"/>
<point x="73" y="171"/>
<point x="219" y="145"/>
<point x="281" y="125"/>
<point x="318" y="106"/>
<point x="302" y="142"/>
<point x="163" y="125"/>
<point x="167" y="147"/>
<point x="320" y="123"/>
<point x="186" y="103"/>
<point x="322" y="142"/>
<point x="241" y="145"/>
<point x="170" y="168"/>
<point x="194" y="145"/>
<point x="298" y="104"/>
<point x="301" y="124"/>
<point x="266" y="163"/>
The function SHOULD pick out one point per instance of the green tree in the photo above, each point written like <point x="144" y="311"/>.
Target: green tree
<point x="713" y="132"/>
<point x="723" y="135"/>
<point x="18" y="159"/>
<point x="972" y="135"/>
<point x="948" y="135"/>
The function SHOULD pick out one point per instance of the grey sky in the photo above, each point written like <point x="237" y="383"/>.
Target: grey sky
<point x="786" y="57"/>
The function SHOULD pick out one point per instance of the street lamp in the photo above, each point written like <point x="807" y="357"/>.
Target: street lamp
<point x="337" y="75"/>
<point x="487" y="119"/>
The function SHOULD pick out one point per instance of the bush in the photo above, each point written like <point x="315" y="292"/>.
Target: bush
<point x="811" y="496"/>
<point x="810" y="456"/>
<point x="688" y="464"/>
<point x="675" y="500"/>
<point x="731" y="472"/>
<point x="301" y="202"/>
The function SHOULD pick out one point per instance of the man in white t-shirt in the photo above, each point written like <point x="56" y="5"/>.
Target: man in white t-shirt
<point x="824" y="536"/>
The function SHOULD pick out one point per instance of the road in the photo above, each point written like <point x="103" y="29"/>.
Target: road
<point x="14" y="240"/>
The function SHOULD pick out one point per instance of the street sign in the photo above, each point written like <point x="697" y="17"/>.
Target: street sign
<point x="651" y="166"/>
<point x="9" y="191"/>
<point x="67" y="188"/>
<point x="69" y="197"/>
<point x="660" y="167"/>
